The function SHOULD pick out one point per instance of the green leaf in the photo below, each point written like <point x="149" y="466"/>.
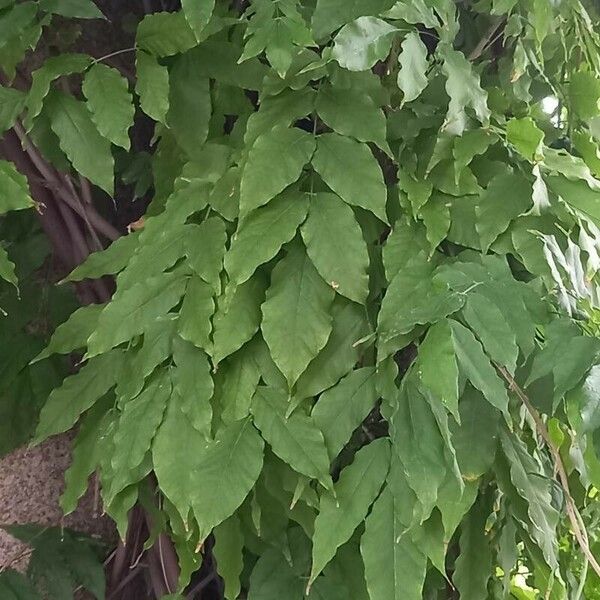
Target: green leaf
<point x="294" y="438"/>
<point x="73" y="333"/>
<point x="77" y="9"/>
<point x="273" y="578"/>
<point x="412" y="77"/>
<point x="492" y="329"/>
<point x="340" y="353"/>
<point x="193" y="382"/>
<point x="109" y="261"/>
<point x="263" y="233"/>
<point x="437" y="367"/>
<point x="152" y="86"/>
<point x="211" y="478"/>
<point x="15" y="586"/>
<point x="296" y="314"/>
<point x="41" y="80"/>
<point x="135" y="310"/>
<point x="352" y="114"/>
<point x="329" y="15"/>
<point x="165" y="34"/>
<point x="194" y="323"/>
<point x="238" y="317"/>
<point x="274" y="161"/>
<point x="474" y="564"/>
<point x="7" y="268"/>
<point x="229" y="544"/>
<point x="198" y="14"/>
<point x="342" y="408"/>
<point x="189" y="93"/>
<point x="360" y="44"/>
<point x="335" y="245"/>
<point x="406" y="239"/>
<point x="205" y="247"/>
<point x="395" y="566"/>
<point x="113" y="119"/>
<point x="584" y="94"/>
<point x="14" y="189"/>
<point x="77" y="394"/>
<point x="342" y="512"/>
<point x="137" y="427"/>
<point x="464" y="88"/>
<point x="12" y="103"/>
<point x="436" y="218"/>
<point x="506" y="197"/>
<point x="79" y="139"/>
<point x="477" y="368"/>
<point x="526" y="137"/>
<point x="349" y="168"/>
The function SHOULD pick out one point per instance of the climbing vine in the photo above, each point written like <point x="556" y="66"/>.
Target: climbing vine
<point x="353" y="346"/>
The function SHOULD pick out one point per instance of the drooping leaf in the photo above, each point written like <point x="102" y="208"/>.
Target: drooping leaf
<point x="295" y="438"/>
<point x="263" y="233"/>
<point x="298" y="303"/>
<point x="205" y="247"/>
<point x="198" y="13"/>
<point x="342" y="408"/>
<point x="78" y="9"/>
<point x="113" y="119"/>
<point x="335" y="245"/>
<point x="412" y="77"/>
<point x="526" y="137"/>
<point x="12" y="103"/>
<point x="329" y="15"/>
<point x="275" y="161"/>
<point x="77" y="394"/>
<point x="7" y="268"/>
<point x="152" y="86"/>
<point x="198" y="306"/>
<point x="351" y="171"/>
<point x="584" y="94"/>
<point x="165" y="34"/>
<point x="395" y="566"/>
<point x="14" y="189"/>
<point x="360" y="44"/>
<point x="355" y="491"/>
<point x="229" y="544"/>
<point x="80" y="140"/>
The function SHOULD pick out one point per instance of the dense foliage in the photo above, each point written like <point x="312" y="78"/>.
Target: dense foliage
<point x="352" y="350"/>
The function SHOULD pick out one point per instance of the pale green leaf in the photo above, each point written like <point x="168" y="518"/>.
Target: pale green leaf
<point x="135" y="310"/>
<point x="275" y="161"/>
<point x="335" y="245"/>
<point x="340" y="353"/>
<point x="78" y="9"/>
<point x="14" y="189"/>
<point x="584" y="94"/>
<point x="436" y="218"/>
<point x="189" y="93"/>
<point x="12" y="103"/>
<point x="198" y="13"/>
<point x="211" y="478"/>
<point x="238" y="317"/>
<point x="42" y="78"/>
<point x="437" y="367"/>
<point x="412" y="77"/>
<point x="349" y="168"/>
<point x="152" y="86"/>
<point x="73" y="333"/>
<point x="80" y="140"/>
<point x="342" y="408"/>
<point x="77" y="394"/>
<point x="228" y="552"/>
<point x="464" y="88"/>
<point x="406" y="239"/>
<point x="205" y="247"/>
<point x="114" y="118"/>
<point x="295" y="438"/>
<point x="340" y="514"/>
<point x="296" y="314"/>
<point x="505" y="198"/>
<point x="360" y="44"/>
<point x="198" y="306"/>
<point x="193" y="382"/>
<point x="395" y="566"/>
<point x="329" y="15"/>
<point x="526" y="137"/>
<point x="263" y="233"/>
<point x="137" y="426"/>
<point x="476" y="366"/>
<point x="165" y="34"/>
<point x="353" y="114"/>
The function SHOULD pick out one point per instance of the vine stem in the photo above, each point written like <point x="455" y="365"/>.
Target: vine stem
<point x="575" y="518"/>
<point x="115" y="53"/>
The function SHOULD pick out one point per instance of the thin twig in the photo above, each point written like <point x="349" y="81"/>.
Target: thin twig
<point x="115" y="53"/>
<point x="577" y="523"/>
<point x="484" y="41"/>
